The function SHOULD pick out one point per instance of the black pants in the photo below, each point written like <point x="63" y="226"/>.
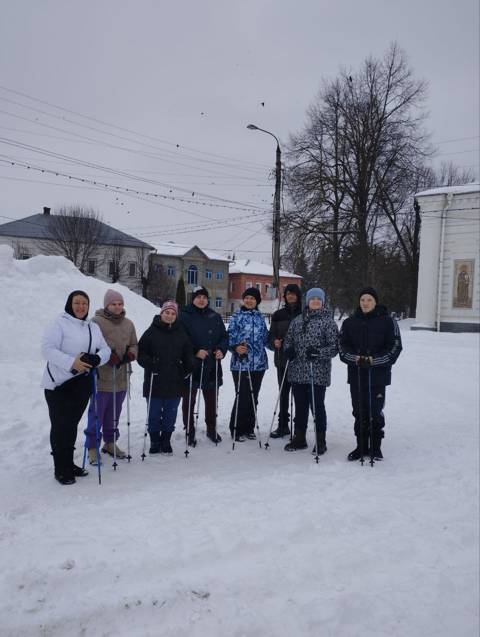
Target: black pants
<point x="246" y="413"/>
<point x="283" y="414"/>
<point x="210" y="409"/>
<point x="361" y="408"/>
<point x="303" y="403"/>
<point x="66" y="405"/>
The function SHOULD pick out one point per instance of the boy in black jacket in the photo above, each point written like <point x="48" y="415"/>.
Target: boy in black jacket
<point x="369" y="344"/>
<point x="281" y="320"/>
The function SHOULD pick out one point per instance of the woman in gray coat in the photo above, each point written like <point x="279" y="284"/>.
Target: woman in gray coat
<point x="310" y="345"/>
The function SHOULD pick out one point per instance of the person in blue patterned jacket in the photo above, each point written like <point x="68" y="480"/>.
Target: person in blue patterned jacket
<point x="247" y="337"/>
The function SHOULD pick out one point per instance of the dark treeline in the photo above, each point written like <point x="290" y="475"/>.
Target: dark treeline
<point x="350" y="178"/>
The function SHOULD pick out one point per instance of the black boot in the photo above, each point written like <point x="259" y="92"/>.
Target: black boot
<point x="281" y="431"/>
<point x="79" y="472"/>
<point x="154" y="442"/>
<point x="213" y="436"/>
<point x="377" y="444"/>
<point x="360" y="449"/>
<point x="165" y="446"/>
<point x="63" y="463"/>
<point x="192" y="441"/>
<point x="321" y="444"/>
<point x="299" y="441"/>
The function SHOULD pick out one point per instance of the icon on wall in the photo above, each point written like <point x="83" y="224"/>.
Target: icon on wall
<point x="463" y="283"/>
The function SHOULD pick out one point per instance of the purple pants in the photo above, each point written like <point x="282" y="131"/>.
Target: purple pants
<point x="105" y="417"/>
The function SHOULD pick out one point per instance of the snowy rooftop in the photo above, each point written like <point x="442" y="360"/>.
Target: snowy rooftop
<point x="246" y="266"/>
<point x="179" y="250"/>
<point x="447" y="190"/>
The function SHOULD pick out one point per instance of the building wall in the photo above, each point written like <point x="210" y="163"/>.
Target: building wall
<point x="26" y="248"/>
<point x="461" y="248"/>
<point x="211" y="273"/>
<point x="239" y="282"/>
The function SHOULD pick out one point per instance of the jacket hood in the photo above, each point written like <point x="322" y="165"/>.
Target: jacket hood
<point x="68" y="304"/>
<point x="115" y="318"/>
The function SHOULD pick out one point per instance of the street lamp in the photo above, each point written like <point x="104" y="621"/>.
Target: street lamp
<point x="276" y="211"/>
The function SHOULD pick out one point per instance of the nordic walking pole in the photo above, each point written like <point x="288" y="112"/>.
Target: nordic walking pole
<point x="291" y="416"/>
<point x="361" y="430"/>
<point x="237" y="400"/>
<point x="267" y="445"/>
<point x="97" y="425"/>
<point x="314" y="412"/>
<point x="114" y="375"/>
<point x="370" y="419"/>
<point x="148" y="416"/>
<point x="187" y="428"/>
<point x="129" y="373"/>
<point x="197" y="413"/>
<point x="216" y="399"/>
<point x="254" y="407"/>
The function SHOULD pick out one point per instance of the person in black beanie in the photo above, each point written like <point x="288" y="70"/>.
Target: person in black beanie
<point x="207" y="332"/>
<point x="279" y="325"/>
<point x="369" y="344"/>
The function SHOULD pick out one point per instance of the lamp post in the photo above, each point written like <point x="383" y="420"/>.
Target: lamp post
<point x="276" y="211"/>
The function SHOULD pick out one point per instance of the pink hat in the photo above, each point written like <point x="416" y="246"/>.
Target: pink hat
<point x="111" y="296"/>
<point x="169" y="305"/>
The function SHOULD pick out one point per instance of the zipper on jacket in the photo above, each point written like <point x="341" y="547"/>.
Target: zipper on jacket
<point x="50" y="374"/>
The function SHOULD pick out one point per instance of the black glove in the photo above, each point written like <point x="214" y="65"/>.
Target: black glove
<point x="290" y="354"/>
<point x="312" y="354"/>
<point x="364" y="362"/>
<point x="91" y="359"/>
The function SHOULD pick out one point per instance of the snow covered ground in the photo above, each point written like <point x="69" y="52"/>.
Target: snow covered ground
<point x="249" y="543"/>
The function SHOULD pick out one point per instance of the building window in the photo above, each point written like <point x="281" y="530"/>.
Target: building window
<point x="258" y="286"/>
<point x="192" y="275"/>
<point x="24" y="256"/>
<point x="170" y="270"/>
<point x="111" y="268"/>
<point x="132" y="269"/>
<point x="208" y="274"/>
<point x="232" y="286"/>
<point x="91" y="266"/>
<point x="248" y="284"/>
<point x="219" y="276"/>
<point x="157" y="267"/>
<point x="218" y="302"/>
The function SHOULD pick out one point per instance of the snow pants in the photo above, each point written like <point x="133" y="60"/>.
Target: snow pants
<point x="246" y="413"/>
<point x="302" y="395"/>
<point x="163" y="414"/>
<point x="66" y="404"/>
<point x="105" y="400"/>
<point x="361" y="407"/>
<point x="210" y="408"/>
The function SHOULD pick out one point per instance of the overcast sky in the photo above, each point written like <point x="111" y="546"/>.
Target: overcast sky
<point x="194" y="74"/>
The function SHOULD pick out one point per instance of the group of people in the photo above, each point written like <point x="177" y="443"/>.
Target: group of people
<point x="181" y="353"/>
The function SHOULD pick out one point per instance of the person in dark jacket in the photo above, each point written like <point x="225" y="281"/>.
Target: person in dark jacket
<point x="247" y="337"/>
<point x="369" y="344"/>
<point x="310" y="345"/>
<point x="279" y="325"/>
<point x="209" y="337"/>
<point x="166" y="353"/>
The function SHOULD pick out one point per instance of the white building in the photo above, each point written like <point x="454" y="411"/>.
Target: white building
<point x="448" y="281"/>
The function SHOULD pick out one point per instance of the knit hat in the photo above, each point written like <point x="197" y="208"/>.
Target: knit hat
<point x="68" y="304"/>
<point x="315" y="293"/>
<point x="169" y="305"/>
<point x="370" y="291"/>
<point x="294" y="289"/>
<point x="253" y="292"/>
<point x="200" y="290"/>
<point x="112" y="296"/>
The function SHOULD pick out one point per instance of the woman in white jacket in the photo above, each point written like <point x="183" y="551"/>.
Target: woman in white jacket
<point x="72" y="347"/>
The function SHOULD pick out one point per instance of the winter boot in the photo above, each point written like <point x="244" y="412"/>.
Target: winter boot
<point x="93" y="458"/>
<point x="320" y="444"/>
<point x="377" y="443"/>
<point x="299" y="441"/>
<point x="360" y="449"/>
<point x="112" y="449"/>
<point x="251" y="436"/>
<point x="79" y="472"/>
<point x="280" y="431"/>
<point x="165" y="446"/>
<point x="192" y="440"/>
<point x="154" y="442"/>
<point x="213" y="436"/>
<point x="65" y="478"/>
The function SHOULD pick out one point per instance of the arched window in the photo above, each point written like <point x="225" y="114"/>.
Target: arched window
<point x="192" y="275"/>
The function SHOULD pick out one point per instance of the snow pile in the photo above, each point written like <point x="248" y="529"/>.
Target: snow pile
<point x="247" y="543"/>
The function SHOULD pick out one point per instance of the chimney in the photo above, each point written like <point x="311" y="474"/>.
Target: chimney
<point x="46" y="211"/>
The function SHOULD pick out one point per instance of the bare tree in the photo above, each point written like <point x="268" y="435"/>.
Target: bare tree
<point x="142" y="261"/>
<point x="160" y="286"/>
<point x="76" y="233"/>
<point x="20" y="250"/>
<point x="117" y="262"/>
